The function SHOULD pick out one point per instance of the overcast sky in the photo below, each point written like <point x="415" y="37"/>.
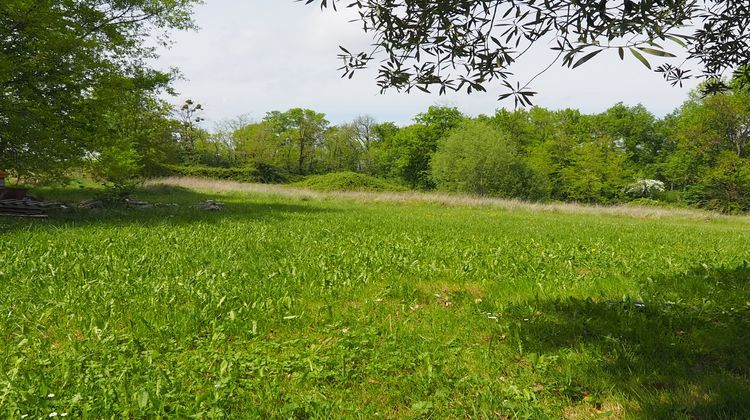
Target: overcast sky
<point x="250" y="57"/>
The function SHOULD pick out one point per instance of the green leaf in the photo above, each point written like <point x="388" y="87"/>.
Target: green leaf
<point x="586" y="58"/>
<point x="676" y="40"/>
<point x="640" y="58"/>
<point x="654" y="51"/>
<point x="142" y="398"/>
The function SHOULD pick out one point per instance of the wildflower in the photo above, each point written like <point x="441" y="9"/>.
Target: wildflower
<point x="63" y="414"/>
<point x="50" y="395"/>
<point x="53" y="414"/>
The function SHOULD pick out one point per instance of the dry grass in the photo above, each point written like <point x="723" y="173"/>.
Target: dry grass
<point x="641" y="212"/>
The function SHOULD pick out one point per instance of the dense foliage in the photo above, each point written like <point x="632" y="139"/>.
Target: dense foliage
<point x="459" y="44"/>
<point x="696" y="155"/>
<point x="477" y="158"/>
<point x="252" y="172"/>
<point x="348" y="181"/>
<point x="64" y="66"/>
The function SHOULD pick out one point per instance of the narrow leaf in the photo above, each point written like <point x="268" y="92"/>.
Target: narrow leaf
<point x="640" y="58"/>
<point x="654" y="51"/>
<point x="586" y="58"/>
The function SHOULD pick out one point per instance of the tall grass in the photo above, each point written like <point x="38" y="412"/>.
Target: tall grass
<point x="290" y="303"/>
<point x="648" y="212"/>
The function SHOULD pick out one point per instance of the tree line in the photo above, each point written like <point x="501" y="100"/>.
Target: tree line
<point x="695" y="155"/>
<point x="76" y="91"/>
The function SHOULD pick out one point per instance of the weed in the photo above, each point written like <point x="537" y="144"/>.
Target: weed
<point x="306" y="305"/>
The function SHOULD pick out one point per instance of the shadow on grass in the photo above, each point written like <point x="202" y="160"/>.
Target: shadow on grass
<point x="684" y="353"/>
<point x="169" y="205"/>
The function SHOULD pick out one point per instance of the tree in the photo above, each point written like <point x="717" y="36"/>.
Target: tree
<point x="440" y="119"/>
<point x="189" y="115"/>
<point x="406" y="156"/>
<point x="342" y="149"/>
<point x="55" y="55"/>
<point x="379" y="156"/>
<point x="255" y="143"/>
<point x="726" y="186"/>
<point x="132" y="133"/>
<point x="702" y="129"/>
<point x="635" y="127"/>
<point x="226" y="139"/>
<point x="517" y="124"/>
<point x="460" y="44"/>
<point x="596" y="173"/>
<point x="364" y="128"/>
<point x="477" y="158"/>
<point x="406" y="152"/>
<point x="298" y="132"/>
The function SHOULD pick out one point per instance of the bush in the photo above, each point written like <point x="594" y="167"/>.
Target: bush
<point x="477" y="158"/>
<point x="115" y="194"/>
<point x="257" y="172"/>
<point x="645" y="188"/>
<point x="675" y="197"/>
<point x="725" y="187"/>
<point x="116" y="164"/>
<point x="348" y="181"/>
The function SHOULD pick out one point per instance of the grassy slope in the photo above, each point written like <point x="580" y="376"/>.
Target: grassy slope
<point x="328" y="306"/>
<point x="347" y="181"/>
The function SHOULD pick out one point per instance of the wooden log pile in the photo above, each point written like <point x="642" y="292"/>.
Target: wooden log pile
<point x="12" y="205"/>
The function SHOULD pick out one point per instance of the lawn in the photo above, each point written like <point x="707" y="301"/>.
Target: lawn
<point x="315" y="305"/>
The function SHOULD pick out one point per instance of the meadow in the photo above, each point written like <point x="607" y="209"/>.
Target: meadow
<point x="293" y="304"/>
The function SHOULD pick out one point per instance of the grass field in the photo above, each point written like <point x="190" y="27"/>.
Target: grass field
<point x="293" y="304"/>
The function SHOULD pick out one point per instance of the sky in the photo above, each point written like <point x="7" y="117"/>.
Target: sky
<point x="251" y="57"/>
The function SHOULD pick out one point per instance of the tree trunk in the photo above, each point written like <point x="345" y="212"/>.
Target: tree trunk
<point x="301" y="158"/>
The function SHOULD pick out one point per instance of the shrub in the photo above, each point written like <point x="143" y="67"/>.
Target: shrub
<point x="115" y="193"/>
<point x="477" y="158"/>
<point x="256" y="172"/>
<point x="725" y="187"/>
<point x="348" y="181"/>
<point x="116" y="164"/>
<point x="645" y="188"/>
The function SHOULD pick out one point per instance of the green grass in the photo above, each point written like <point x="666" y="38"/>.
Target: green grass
<point x="322" y="307"/>
<point x="348" y="181"/>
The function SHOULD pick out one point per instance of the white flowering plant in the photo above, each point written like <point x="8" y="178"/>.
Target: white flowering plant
<point x="645" y="188"/>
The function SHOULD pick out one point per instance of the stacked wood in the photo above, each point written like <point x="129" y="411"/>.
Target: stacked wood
<point x="27" y="207"/>
<point x="210" y="205"/>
